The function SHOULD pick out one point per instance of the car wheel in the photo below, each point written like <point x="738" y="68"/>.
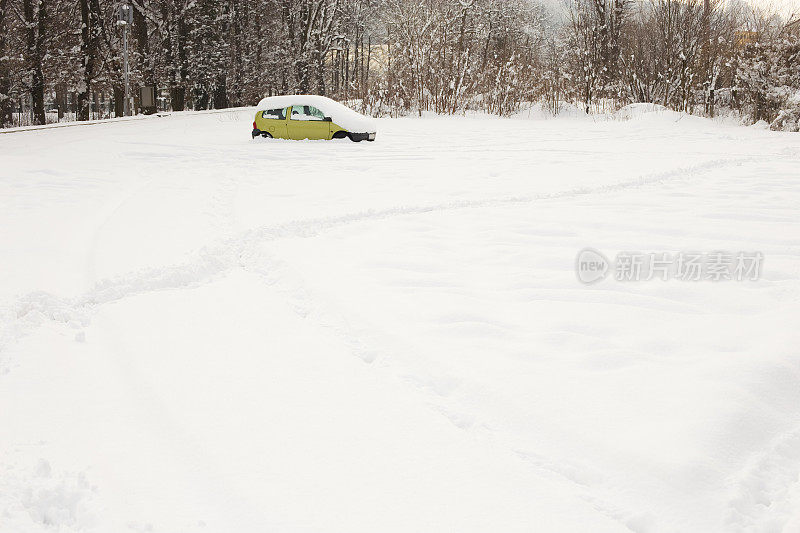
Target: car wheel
<point x="266" y="135"/>
<point x="355" y="139"/>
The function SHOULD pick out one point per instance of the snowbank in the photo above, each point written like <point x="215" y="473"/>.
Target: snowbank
<point x="789" y="117"/>
<point x="341" y="114"/>
<point x="638" y="110"/>
<point x="539" y="111"/>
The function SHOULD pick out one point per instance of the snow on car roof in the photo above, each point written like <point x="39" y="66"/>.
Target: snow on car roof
<point x="339" y="113"/>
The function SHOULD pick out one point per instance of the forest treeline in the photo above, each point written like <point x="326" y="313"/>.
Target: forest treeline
<point x="63" y="59"/>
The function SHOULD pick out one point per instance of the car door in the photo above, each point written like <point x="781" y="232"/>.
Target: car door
<point x="308" y="122"/>
<point x="273" y="121"/>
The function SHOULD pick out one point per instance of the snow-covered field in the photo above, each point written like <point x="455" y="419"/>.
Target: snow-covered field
<point x="200" y="332"/>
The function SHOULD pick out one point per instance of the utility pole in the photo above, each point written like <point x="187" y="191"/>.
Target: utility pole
<point x="706" y="57"/>
<point x="125" y="19"/>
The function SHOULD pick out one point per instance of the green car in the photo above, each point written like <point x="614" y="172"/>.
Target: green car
<point x="310" y="117"/>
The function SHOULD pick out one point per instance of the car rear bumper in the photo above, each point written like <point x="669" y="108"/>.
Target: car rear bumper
<point x="256" y="133"/>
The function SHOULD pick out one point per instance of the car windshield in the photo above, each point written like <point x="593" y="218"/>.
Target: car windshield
<point x="278" y="114"/>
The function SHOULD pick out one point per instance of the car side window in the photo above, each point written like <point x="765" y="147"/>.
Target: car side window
<point x="275" y="114"/>
<point x="306" y="112"/>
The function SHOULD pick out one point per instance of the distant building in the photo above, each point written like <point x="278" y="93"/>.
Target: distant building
<point x="745" y="37"/>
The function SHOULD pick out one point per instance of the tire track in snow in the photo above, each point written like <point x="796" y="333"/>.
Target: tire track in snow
<point x="766" y="490"/>
<point x="368" y="346"/>
<point x="23" y="315"/>
<point x="107" y="214"/>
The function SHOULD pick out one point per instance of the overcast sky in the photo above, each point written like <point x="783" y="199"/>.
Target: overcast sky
<point x="785" y="7"/>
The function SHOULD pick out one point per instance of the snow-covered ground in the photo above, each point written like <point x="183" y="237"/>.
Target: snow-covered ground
<point x="200" y="332"/>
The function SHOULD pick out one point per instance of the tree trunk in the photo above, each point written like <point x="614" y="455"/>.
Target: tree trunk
<point x="88" y="55"/>
<point x="220" y="96"/>
<point x="143" y="45"/>
<point x="6" y="104"/>
<point x="34" y="55"/>
<point x="235" y="94"/>
<point x="119" y="100"/>
<point x="38" y="96"/>
<point x="178" y="92"/>
<point x="366" y="67"/>
<point x="61" y="100"/>
<point x="200" y="99"/>
<point x="178" y="98"/>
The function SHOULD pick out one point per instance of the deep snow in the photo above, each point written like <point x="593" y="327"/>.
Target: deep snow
<point x="204" y="332"/>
